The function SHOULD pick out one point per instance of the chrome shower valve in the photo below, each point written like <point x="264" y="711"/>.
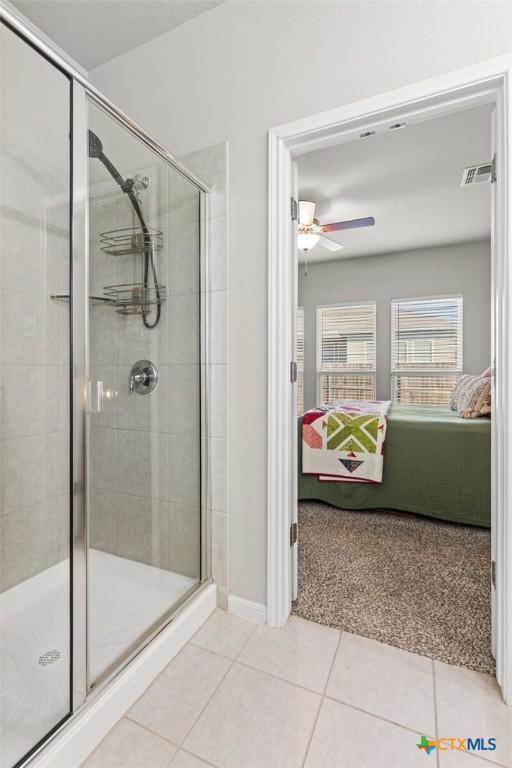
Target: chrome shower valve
<point x="143" y="377"/>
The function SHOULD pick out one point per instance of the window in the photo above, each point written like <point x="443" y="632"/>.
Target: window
<point x="345" y="352"/>
<point x="299" y="357"/>
<point x="426" y="349"/>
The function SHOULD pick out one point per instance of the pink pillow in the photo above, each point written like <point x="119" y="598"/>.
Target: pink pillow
<point x="487" y="374"/>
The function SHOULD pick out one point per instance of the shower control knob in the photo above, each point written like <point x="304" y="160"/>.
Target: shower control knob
<point x="143" y="377"/>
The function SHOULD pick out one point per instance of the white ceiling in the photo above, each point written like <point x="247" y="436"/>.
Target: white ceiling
<point x="95" y="31"/>
<point x="409" y="180"/>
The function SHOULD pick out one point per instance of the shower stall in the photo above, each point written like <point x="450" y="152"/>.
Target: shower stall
<point x="102" y="391"/>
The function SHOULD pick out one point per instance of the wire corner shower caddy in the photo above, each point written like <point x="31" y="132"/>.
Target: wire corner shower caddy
<point x="141" y="297"/>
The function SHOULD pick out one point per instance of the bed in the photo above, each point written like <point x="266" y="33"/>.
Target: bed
<point x="435" y="464"/>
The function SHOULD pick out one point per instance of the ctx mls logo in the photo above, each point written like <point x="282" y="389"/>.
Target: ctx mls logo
<point x="446" y="744"/>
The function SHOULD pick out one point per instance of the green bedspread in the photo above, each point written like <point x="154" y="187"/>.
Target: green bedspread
<point x="435" y="464"/>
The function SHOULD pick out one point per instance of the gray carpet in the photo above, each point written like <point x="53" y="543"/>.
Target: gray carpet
<point x="411" y="582"/>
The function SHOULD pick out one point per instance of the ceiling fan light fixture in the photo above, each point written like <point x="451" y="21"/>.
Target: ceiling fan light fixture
<point x="307" y="240"/>
<point x="311" y="233"/>
<point x="306" y="213"/>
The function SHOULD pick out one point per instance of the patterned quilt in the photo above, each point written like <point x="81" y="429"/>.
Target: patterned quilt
<point x="346" y="443"/>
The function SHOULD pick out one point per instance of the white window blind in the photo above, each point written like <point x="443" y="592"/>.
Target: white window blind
<point x="345" y="346"/>
<point x="299" y="358"/>
<point x="426" y="349"/>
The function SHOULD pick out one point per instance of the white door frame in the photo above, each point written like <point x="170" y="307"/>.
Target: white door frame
<point x="484" y="82"/>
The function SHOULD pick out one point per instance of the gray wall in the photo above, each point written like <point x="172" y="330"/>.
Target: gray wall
<point x="230" y="75"/>
<point x="454" y="269"/>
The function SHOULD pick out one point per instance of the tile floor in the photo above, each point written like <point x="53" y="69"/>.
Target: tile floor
<point x="242" y="695"/>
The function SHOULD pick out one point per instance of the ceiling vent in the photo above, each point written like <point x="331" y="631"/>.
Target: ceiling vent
<point x="476" y="174"/>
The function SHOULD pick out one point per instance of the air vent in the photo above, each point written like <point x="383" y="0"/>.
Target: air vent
<point x="476" y="174"/>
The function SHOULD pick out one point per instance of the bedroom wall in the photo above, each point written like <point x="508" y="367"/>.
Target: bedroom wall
<point x="233" y="73"/>
<point x="454" y="269"/>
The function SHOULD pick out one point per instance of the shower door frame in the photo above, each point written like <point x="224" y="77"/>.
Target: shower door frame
<point x="82" y="91"/>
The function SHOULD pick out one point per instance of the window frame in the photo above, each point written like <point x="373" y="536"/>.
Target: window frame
<point x="319" y="372"/>
<point x="420" y="372"/>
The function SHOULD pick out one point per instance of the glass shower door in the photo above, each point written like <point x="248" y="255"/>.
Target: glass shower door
<point x="35" y="616"/>
<point x="144" y="457"/>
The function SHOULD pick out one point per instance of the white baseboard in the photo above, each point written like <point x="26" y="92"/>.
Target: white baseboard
<point x="222" y="597"/>
<point x="247" y="609"/>
<point x="82" y="734"/>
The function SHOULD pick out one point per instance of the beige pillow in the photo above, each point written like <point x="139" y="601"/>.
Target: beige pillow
<point x="457" y="392"/>
<point x="472" y="397"/>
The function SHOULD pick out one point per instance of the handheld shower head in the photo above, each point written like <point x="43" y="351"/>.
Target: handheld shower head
<point x="95" y="145"/>
<point x="127" y="186"/>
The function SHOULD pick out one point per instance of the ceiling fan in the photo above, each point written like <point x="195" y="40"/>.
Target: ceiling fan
<point x="311" y="233"/>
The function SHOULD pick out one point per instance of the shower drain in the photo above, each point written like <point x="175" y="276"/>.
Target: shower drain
<point x="47" y="658"/>
<point x="50" y="657"/>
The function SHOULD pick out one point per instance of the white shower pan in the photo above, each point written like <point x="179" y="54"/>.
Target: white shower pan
<point x="128" y="597"/>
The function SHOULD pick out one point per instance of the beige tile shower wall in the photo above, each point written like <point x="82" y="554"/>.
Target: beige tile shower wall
<point x="34" y="385"/>
<point x="34" y="264"/>
<point x="211" y="165"/>
<point x="145" y="481"/>
<point x="144" y="450"/>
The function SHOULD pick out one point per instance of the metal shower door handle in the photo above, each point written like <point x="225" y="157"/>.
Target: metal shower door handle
<point x="95" y="405"/>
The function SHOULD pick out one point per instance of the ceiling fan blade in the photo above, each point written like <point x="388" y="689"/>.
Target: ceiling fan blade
<point x="331" y="245"/>
<point x="369" y="221"/>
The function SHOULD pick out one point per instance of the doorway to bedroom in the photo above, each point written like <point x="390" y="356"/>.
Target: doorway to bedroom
<point x="394" y="350"/>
